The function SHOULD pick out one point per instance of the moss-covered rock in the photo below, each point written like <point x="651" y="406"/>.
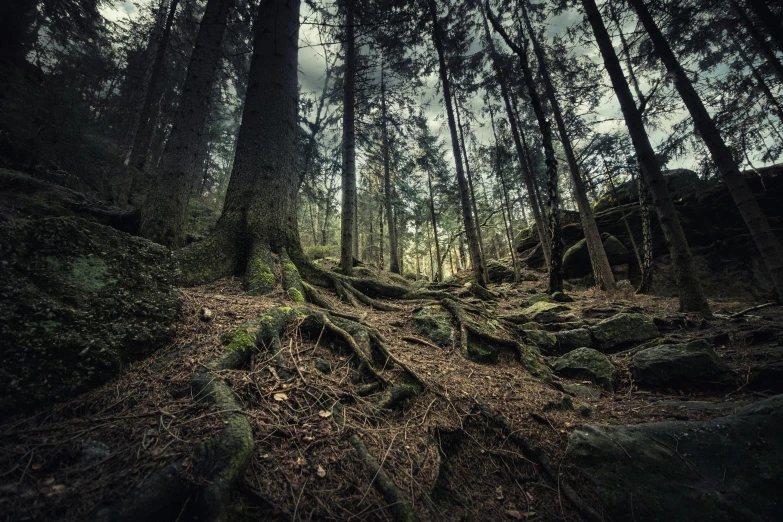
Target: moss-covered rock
<point x="499" y="272"/>
<point x="576" y="260"/>
<point x="573" y="339"/>
<point x="545" y="341"/>
<point x="78" y="301"/>
<point x="690" y="364"/>
<point x="587" y="364"/>
<point x="727" y="468"/>
<point x="545" y="312"/>
<point x="623" y="330"/>
<point x="434" y="323"/>
<point x="482" y="353"/>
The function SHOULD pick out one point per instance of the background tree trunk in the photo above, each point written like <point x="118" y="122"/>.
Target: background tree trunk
<point x="349" y="146"/>
<point x="394" y="264"/>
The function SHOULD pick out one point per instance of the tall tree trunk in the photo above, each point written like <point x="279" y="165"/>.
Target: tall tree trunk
<point x="644" y="214"/>
<point x="259" y="219"/>
<point x="349" y="145"/>
<point x="473" y="205"/>
<point x="766" y="242"/>
<point x="691" y="295"/>
<point x="556" y="257"/>
<point x="755" y="34"/>
<point x="163" y="212"/>
<point x="527" y="174"/>
<point x="434" y="224"/>
<point x="148" y="117"/>
<point x="761" y="82"/>
<point x="602" y="270"/>
<point x="770" y="22"/>
<point x="479" y="269"/>
<point x="394" y="264"/>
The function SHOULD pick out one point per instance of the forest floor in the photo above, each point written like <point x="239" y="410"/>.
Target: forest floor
<point x="441" y="452"/>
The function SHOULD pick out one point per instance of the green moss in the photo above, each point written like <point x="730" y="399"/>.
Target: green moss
<point x="89" y="274"/>
<point x="295" y="295"/>
<point x="482" y="354"/>
<point x="239" y="339"/>
<point x="260" y="274"/>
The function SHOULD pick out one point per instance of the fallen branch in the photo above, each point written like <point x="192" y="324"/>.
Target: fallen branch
<point x="751" y="309"/>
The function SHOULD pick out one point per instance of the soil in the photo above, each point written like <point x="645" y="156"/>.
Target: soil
<point x="441" y="452"/>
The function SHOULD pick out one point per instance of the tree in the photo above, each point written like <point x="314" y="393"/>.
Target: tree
<point x="691" y="295"/>
<point x="760" y="231"/>
<point x="163" y="212"/>
<point x="348" y="220"/>
<point x="394" y="263"/>
<point x="479" y="270"/>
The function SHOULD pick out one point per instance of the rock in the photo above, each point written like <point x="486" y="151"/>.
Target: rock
<point x="322" y="365"/>
<point x="622" y="330"/>
<point x="546" y="342"/>
<point x="543" y="312"/>
<point x="584" y="409"/>
<point x="482" y="353"/>
<point x="205" y="314"/>
<point x="560" y="297"/>
<point x="499" y="272"/>
<point x="573" y="339"/>
<point x="79" y="301"/>
<point x="680" y="365"/>
<point x="529" y="276"/>
<point x="564" y="404"/>
<point x="587" y="364"/>
<point x="93" y="452"/>
<point x="580" y="390"/>
<point x="434" y="323"/>
<point x="727" y="468"/>
<point x="576" y="260"/>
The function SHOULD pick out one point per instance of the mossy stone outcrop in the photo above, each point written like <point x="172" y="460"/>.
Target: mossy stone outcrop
<point x="727" y="468"/>
<point x="623" y="330"/>
<point x="499" y="272"/>
<point x="546" y="342"/>
<point x="545" y="312"/>
<point x="434" y="323"/>
<point x="588" y="365"/>
<point x="576" y="260"/>
<point x="78" y="300"/>
<point x="573" y="339"/>
<point x="691" y="364"/>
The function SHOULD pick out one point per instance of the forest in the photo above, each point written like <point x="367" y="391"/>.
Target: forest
<point x="391" y="260"/>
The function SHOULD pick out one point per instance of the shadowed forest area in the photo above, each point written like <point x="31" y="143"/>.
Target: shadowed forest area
<point x="370" y="260"/>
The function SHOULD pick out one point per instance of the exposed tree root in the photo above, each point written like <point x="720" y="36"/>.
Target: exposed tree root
<point x="399" y="505"/>
<point x="540" y="458"/>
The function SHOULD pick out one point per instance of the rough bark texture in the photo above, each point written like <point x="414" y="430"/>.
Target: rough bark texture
<point x="647" y="261"/>
<point x="769" y="55"/>
<point x="556" y="257"/>
<point x="467" y="214"/>
<point x="258" y="226"/>
<point x="691" y="294"/>
<point x="767" y="243"/>
<point x="349" y="146"/>
<point x="770" y="22"/>
<point x="601" y="267"/>
<point x="394" y="264"/>
<point x="434" y="220"/>
<point x="527" y="174"/>
<point x="163" y="213"/>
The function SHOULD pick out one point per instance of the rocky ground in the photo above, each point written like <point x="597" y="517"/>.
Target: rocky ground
<point x="510" y="426"/>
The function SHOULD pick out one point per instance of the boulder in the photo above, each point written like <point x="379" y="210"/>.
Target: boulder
<point x="576" y="260"/>
<point x="434" y="323"/>
<point x="588" y="365"/>
<point x="545" y="312"/>
<point x="79" y="301"/>
<point x="727" y="468"/>
<point x="580" y="390"/>
<point x="573" y="339"/>
<point x="560" y="297"/>
<point x="545" y="342"/>
<point x="499" y="272"/>
<point x="623" y="330"/>
<point x="694" y="363"/>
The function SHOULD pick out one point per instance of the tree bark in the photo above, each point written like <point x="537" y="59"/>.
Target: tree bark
<point x="766" y="242"/>
<point x="602" y="270"/>
<point x="691" y="295"/>
<point x="556" y="249"/>
<point x="479" y="269"/>
<point x="163" y="212"/>
<point x="761" y="42"/>
<point x="349" y="146"/>
<point x="527" y="174"/>
<point x="394" y="264"/>
<point x="434" y="226"/>
<point x="770" y="22"/>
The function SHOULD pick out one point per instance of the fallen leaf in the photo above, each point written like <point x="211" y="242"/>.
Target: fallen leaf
<point x="513" y="513"/>
<point x="499" y="493"/>
<point x="321" y="472"/>
<point x="36" y="465"/>
<point x="325" y="414"/>
<point x="280" y="397"/>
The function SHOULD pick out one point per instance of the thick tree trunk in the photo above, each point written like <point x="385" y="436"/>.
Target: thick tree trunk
<point x="163" y="212"/>
<point x="644" y="214"/>
<point x="349" y="146"/>
<point x="556" y="257"/>
<point x="766" y="242"/>
<point x="602" y="270"/>
<point x="479" y="269"/>
<point x="259" y="219"/>
<point x="473" y="205"/>
<point x="691" y="295"/>
<point x="434" y="220"/>
<point x="394" y="264"/>
<point x="757" y="36"/>
<point x="770" y="22"/>
<point x="148" y="117"/>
